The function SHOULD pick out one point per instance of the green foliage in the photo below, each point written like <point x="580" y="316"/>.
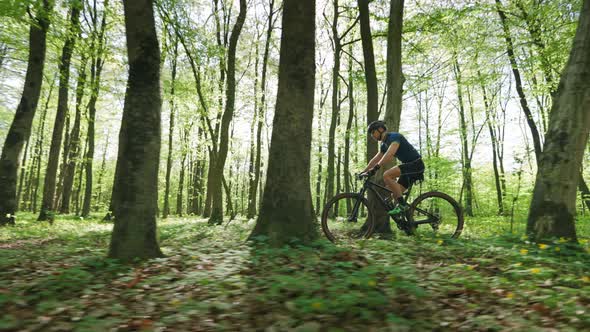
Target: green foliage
<point x="486" y="278"/>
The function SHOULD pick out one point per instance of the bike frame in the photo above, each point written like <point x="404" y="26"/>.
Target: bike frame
<point x="369" y="185"/>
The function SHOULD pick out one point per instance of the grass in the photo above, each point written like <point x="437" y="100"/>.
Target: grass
<point x="57" y="278"/>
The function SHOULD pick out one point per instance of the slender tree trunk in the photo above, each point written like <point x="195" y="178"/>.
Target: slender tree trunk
<point x="39" y="149"/>
<point x="518" y="80"/>
<point x="467" y="179"/>
<point x="80" y="182"/>
<point x="337" y="48"/>
<point x="287" y="214"/>
<point x="20" y="129"/>
<point x="62" y="110"/>
<point x="136" y="183"/>
<point x="217" y="197"/>
<point x="23" y="171"/>
<point x="95" y="73"/>
<point x="74" y="149"/>
<point x="101" y="176"/>
<point x="380" y="215"/>
<point x="350" y="91"/>
<point x="252" y="157"/>
<point x="179" y="195"/>
<point x="166" y="211"/>
<point x="552" y="211"/>
<point x="486" y="103"/>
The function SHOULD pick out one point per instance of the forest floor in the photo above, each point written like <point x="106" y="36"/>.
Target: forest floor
<point x="56" y="278"/>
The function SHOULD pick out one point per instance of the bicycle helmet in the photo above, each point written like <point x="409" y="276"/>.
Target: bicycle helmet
<point x="376" y="125"/>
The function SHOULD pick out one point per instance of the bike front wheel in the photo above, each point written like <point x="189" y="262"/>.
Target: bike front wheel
<point x="347" y="217"/>
<point x="436" y="213"/>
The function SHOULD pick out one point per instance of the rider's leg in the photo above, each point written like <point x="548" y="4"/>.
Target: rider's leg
<point x="390" y="178"/>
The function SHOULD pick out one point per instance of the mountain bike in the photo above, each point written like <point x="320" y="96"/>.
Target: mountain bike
<point x="349" y="216"/>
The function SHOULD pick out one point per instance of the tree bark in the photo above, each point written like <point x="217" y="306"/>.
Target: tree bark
<point x="287" y="214"/>
<point x="466" y="160"/>
<point x="179" y="195"/>
<point x="20" y="129"/>
<point x="350" y="91"/>
<point x="95" y="75"/>
<point x="337" y="48"/>
<point x="47" y="204"/>
<point x="217" y="196"/>
<point x="166" y="211"/>
<point x="395" y="78"/>
<point x="552" y="211"/>
<point x="518" y="80"/>
<point x="136" y="183"/>
<point x="74" y="149"/>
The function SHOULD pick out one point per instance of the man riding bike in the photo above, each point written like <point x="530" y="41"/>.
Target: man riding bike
<point x="399" y="178"/>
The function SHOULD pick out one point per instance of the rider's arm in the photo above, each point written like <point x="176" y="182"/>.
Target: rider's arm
<point x="373" y="161"/>
<point x="388" y="156"/>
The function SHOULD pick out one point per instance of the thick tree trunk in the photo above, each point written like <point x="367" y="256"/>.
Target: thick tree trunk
<point x="395" y="78"/>
<point x="47" y="204"/>
<point x="552" y="211"/>
<point x="95" y="74"/>
<point x="166" y="211"/>
<point x="380" y="215"/>
<point x="20" y="129"/>
<point x="217" y="197"/>
<point x="287" y="214"/>
<point x="74" y="149"/>
<point x="518" y="80"/>
<point x="136" y="183"/>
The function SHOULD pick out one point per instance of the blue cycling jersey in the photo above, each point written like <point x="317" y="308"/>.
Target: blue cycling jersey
<point x="405" y="153"/>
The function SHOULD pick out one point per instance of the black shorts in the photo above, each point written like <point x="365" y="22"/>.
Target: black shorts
<point x="411" y="173"/>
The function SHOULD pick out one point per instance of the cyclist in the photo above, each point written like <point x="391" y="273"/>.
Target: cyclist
<point x="407" y="173"/>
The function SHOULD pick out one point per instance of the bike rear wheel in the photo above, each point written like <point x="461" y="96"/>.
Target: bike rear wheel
<point x="438" y="213"/>
<point x="341" y="223"/>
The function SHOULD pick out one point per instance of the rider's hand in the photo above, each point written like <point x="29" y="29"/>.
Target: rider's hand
<point x="374" y="170"/>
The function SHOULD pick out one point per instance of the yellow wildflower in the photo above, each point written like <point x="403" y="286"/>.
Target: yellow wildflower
<point x="509" y="295"/>
<point x="586" y="279"/>
<point x="174" y="302"/>
<point x="391" y="278"/>
<point x="524" y="251"/>
<point x="518" y="264"/>
<point x="317" y="305"/>
<point x="470" y="267"/>
<point x="440" y="242"/>
<point x="535" y="270"/>
<point x="562" y="240"/>
<point x="372" y="283"/>
<point x="557" y="249"/>
<point x="543" y="246"/>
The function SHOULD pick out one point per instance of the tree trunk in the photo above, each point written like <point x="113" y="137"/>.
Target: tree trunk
<point x="136" y="183"/>
<point x="252" y="155"/>
<point x="179" y="195"/>
<point x="518" y="80"/>
<point x="217" y="197"/>
<point x="335" y="103"/>
<point x="287" y="214"/>
<point x="488" y="110"/>
<point x="466" y="160"/>
<point x="95" y="75"/>
<point x="380" y="215"/>
<point x="20" y="129"/>
<point x="166" y="211"/>
<point x="552" y="211"/>
<point x="74" y="149"/>
<point x="80" y="182"/>
<point x="21" y="176"/>
<point x="350" y="91"/>
<point x="47" y="204"/>
<point x="395" y="78"/>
